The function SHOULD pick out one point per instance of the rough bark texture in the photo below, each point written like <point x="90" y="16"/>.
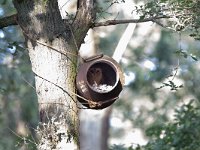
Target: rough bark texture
<point x="53" y="46"/>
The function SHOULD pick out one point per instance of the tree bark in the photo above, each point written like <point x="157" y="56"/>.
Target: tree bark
<point x="52" y="46"/>
<point x="94" y="124"/>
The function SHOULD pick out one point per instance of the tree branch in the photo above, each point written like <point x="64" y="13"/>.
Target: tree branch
<point x="84" y="19"/>
<point x="125" y="21"/>
<point x="7" y="21"/>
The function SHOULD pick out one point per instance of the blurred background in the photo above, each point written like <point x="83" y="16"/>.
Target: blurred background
<point x="161" y="71"/>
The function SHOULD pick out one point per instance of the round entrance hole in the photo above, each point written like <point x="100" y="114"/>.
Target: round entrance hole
<point x="102" y="77"/>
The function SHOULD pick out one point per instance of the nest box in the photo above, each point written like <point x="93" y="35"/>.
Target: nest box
<point x="99" y="82"/>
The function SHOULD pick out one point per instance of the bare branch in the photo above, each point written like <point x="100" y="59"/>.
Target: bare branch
<point x="7" y="21"/>
<point x="85" y="17"/>
<point x="125" y="21"/>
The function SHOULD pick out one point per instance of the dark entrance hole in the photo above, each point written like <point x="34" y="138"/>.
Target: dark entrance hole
<point x="101" y="77"/>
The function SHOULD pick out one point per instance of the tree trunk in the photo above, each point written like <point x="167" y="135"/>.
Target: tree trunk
<point x="55" y="77"/>
<point x="52" y="47"/>
<point x="94" y="124"/>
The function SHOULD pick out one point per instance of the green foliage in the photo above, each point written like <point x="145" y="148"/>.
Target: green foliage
<point x="150" y="9"/>
<point x="3" y="2"/>
<point x="183" y="14"/>
<point x="17" y="99"/>
<point x="183" y="133"/>
<point x="186" y="55"/>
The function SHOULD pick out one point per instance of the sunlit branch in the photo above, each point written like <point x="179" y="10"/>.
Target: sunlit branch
<point x="8" y="21"/>
<point x="125" y="21"/>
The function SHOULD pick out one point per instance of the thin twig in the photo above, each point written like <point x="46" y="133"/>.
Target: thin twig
<point x="125" y="21"/>
<point x="65" y="54"/>
<point x="28" y="83"/>
<point x="55" y="85"/>
<point x="22" y="137"/>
